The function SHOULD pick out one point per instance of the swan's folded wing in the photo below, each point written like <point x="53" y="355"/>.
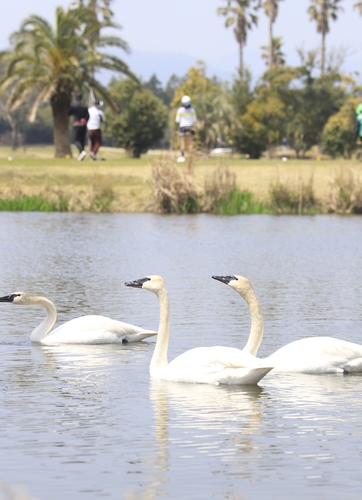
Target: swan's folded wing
<point x="95" y="329"/>
<point x="217" y="365"/>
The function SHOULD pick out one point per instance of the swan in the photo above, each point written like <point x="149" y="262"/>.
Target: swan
<point x="204" y="365"/>
<point x="311" y="355"/>
<point x="91" y="329"/>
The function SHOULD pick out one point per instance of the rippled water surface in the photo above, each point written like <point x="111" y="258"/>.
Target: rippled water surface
<point x="86" y="422"/>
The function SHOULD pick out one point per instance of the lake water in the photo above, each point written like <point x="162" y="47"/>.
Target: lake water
<point x="86" y="422"/>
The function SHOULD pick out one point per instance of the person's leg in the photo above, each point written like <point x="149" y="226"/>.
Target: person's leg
<point x="77" y="139"/>
<point x="81" y="133"/>
<point x="97" y="140"/>
<point x="190" y="142"/>
<point x="182" y="145"/>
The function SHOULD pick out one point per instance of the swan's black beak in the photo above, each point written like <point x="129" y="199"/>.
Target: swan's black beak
<point x="8" y="298"/>
<point x="137" y="283"/>
<point x="225" y="279"/>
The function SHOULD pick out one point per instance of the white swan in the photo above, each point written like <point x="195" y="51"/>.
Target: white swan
<point x="309" y="355"/>
<point x="91" y="329"/>
<point x="205" y="365"/>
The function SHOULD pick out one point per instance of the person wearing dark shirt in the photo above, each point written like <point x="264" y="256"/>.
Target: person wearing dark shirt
<point x="80" y="117"/>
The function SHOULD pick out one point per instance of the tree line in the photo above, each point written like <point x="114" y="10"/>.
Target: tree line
<point x="310" y="104"/>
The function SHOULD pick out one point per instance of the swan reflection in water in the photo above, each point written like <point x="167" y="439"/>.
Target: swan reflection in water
<point x="233" y="412"/>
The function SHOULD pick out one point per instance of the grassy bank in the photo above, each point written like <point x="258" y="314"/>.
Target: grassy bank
<point x="34" y="180"/>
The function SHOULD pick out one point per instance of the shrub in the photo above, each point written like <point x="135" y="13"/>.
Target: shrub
<point x="175" y="191"/>
<point x="288" y="200"/>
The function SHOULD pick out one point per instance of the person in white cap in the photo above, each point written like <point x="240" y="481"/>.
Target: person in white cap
<point x="186" y="118"/>
<point x="96" y="118"/>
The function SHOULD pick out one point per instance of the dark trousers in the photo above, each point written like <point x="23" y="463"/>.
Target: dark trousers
<point x="79" y="136"/>
<point x="95" y="137"/>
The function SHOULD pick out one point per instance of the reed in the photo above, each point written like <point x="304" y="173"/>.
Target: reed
<point x="346" y="194"/>
<point x="287" y="199"/>
<point x="175" y="190"/>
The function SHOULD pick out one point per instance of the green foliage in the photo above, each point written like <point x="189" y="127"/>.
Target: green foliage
<point x="338" y="134"/>
<point x="29" y="204"/>
<point x="216" y="118"/>
<point x="289" y="200"/>
<point x="141" y="119"/>
<point x="239" y="202"/>
<point x="264" y="122"/>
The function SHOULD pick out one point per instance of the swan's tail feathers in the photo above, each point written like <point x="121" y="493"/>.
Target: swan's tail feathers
<point x="137" y="337"/>
<point x="255" y="375"/>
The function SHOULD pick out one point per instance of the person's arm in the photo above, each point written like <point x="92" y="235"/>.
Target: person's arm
<point x="70" y="110"/>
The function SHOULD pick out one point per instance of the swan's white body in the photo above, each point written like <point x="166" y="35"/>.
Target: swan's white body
<point x="92" y="329"/>
<point x="205" y="365"/>
<point x="309" y="355"/>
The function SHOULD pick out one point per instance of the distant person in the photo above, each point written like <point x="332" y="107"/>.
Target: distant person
<point x="358" y="122"/>
<point x="284" y="144"/>
<point x="80" y="118"/>
<point x="186" y="118"/>
<point x="96" y="118"/>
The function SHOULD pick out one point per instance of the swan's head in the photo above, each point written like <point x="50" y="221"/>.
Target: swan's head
<point x="239" y="283"/>
<point x="153" y="283"/>
<point x="21" y="298"/>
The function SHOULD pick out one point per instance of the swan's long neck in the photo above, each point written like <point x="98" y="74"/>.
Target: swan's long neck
<point x="257" y="324"/>
<point x="47" y="324"/>
<point x="159" y="358"/>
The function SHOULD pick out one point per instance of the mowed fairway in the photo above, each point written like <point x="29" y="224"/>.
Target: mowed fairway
<point x="35" y="171"/>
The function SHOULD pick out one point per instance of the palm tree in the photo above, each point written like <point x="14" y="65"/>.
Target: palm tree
<point x="271" y="9"/>
<point x="358" y="6"/>
<point x="322" y="11"/>
<point x="53" y="62"/>
<point x="236" y="13"/>
<point x="102" y="7"/>
<point x="277" y="54"/>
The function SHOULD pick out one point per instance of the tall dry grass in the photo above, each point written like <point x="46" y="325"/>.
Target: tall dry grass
<point x="345" y="195"/>
<point x="175" y="189"/>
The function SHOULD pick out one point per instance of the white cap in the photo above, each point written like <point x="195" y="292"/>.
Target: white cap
<point x="186" y="100"/>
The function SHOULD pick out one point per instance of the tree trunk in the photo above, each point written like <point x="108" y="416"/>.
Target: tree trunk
<point x="241" y="62"/>
<point x="60" y="104"/>
<point x="270" y="43"/>
<point x="323" y="55"/>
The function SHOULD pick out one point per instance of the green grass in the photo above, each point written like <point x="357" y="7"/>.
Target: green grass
<point x="240" y="202"/>
<point x="30" y="204"/>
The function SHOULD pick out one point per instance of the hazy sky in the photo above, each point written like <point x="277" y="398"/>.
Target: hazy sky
<point x="166" y="36"/>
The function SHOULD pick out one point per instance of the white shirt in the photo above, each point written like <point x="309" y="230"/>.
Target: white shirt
<point x="96" y="117"/>
<point x="186" y="117"/>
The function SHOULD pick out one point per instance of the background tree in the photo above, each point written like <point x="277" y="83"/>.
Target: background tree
<point x="141" y="119"/>
<point x="338" y="134"/>
<point x="266" y="117"/>
<point x="271" y="10"/>
<point x="358" y="6"/>
<point x="194" y="83"/>
<point x="322" y="11"/>
<point x="278" y="57"/>
<point x="53" y="62"/>
<point x="313" y="101"/>
<point x="237" y="13"/>
<point x="216" y="119"/>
